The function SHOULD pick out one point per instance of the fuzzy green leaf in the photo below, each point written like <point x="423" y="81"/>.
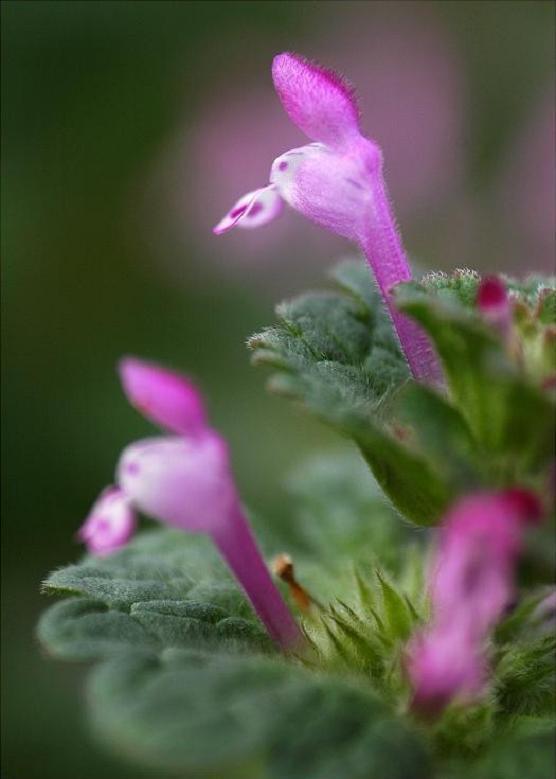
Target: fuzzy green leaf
<point x="335" y="352"/>
<point x="443" y="433"/>
<point x="82" y="629"/>
<point x="511" y="420"/>
<point x="193" y="713"/>
<point x="526" y="678"/>
<point x="165" y="589"/>
<point x="524" y="751"/>
<point x="338" y="513"/>
<point x="398" y="617"/>
<point x="547" y="306"/>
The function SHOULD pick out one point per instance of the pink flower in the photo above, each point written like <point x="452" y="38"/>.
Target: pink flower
<point x="110" y="524"/>
<point x="185" y="481"/>
<point x="471" y="585"/>
<point x="410" y="83"/>
<point x="494" y="304"/>
<point x="442" y="663"/>
<point x="162" y="396"/>
<point x="336" y="182"/>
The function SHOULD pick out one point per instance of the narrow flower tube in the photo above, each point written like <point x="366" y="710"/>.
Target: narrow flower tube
<point x="185" y="481"/>
<point x="237" y="545"/>
<point x="337" y="182"/>
<point x="471" y="583"/>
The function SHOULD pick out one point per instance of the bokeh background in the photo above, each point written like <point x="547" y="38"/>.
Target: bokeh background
<point x="128" y="129"/>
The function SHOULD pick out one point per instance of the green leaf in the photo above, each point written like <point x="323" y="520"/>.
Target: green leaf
<point x="442" y="432"/>
<point x="526" y="678"/>
<point x="521" y="620"/>
<point x="398" y="616"/>
<point x="82" y="629"/>
<point x="116" y="586"/>
<point x="337" y="355"/>
<point x="525" y="750"/>
<point x="192" y="713"/>
<point x="337" y="512"/>
<point x="165" y="589"/>
<point x="547" y="306"/>
<point x="511" y="420"/>
<point x="459" y="287"/>
<point x="414" y="487"/>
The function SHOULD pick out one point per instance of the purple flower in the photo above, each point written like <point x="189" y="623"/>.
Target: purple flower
<point x="164" y="397"/>
<point x="240" y="128"/>
<point x="337" y="182"/>
<point x="185" y="481"/>
<point x="493" y="302"/>
<point x="110" y="524"/>
<point x="444" y="663"/>
<point x="471" y="584"/>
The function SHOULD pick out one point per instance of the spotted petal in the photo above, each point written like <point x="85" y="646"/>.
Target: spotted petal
<point x="110" y="524"/>
<point x="330" y="188"/>
<point x="252" y="210"/>
<point x="183" y="482"/>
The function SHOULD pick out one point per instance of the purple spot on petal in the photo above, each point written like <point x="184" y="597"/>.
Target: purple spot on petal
<point x="257" y="208"/>
<point x="132" y="468"/>
<point x="237" y="211"/>
<point x="283" y="166"/>
<point x="354" y="183"/>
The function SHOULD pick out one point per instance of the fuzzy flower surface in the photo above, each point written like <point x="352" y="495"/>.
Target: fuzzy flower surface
<point x="471" y="584"/>
<point x="337" y="182"/>
<point x="184" y="479"/>
<point x="110" y="524"/>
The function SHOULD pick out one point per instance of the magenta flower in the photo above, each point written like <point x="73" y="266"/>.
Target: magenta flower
<point x="186" y="481"/>
<point x="444" y="663"/>
<point x="110" y="524"/>
<point x="493" y="302"/>
<point x="336" y="182"/>
<point x="164" y="397"/>
<point x="471" y="585"/>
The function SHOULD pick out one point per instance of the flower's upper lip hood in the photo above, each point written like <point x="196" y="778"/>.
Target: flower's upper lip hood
<point x="317" y="100"/>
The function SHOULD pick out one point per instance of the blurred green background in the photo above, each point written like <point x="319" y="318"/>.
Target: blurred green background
<point x="107" y="195"/>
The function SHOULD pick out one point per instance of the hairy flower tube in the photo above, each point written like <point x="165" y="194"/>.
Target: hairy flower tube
<point x="337" y="182"/>
<point x="471" y="584"/>
<point x="186" y="481"/>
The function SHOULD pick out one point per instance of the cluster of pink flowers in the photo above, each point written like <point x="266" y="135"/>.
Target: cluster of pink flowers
<point x="184" y="478"/>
